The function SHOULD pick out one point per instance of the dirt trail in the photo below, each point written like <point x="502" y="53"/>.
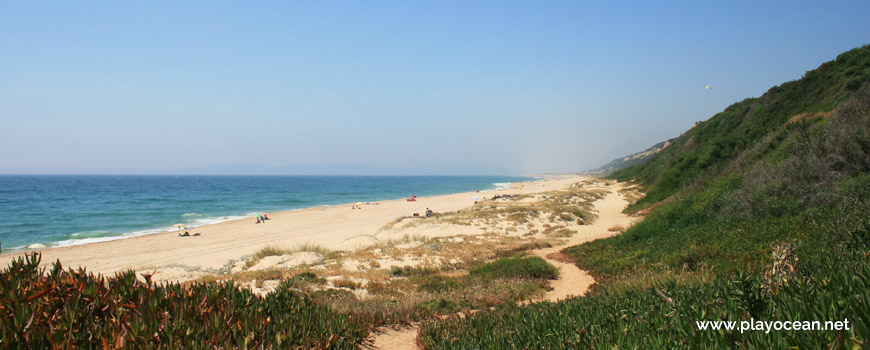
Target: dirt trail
<point x="572" y="280"/>
<point x="404" y="338"/>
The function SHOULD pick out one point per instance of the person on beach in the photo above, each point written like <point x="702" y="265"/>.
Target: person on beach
<point x="429" y="213"/>
<point x="266" y="216"/>
<point x="258" y="219"/>
<point x="185" y="234"/>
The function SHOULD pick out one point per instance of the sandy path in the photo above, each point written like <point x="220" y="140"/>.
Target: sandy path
<point x="404" y="338"/>
<point x="572" y="280"/>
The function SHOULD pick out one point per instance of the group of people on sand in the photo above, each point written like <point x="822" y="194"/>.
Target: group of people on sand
<point x="429" y="213"/>
<point x="262" y="218"/>
<point x="187" y="234"/>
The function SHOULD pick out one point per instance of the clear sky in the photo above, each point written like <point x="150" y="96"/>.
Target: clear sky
<point x="458" y="87"/>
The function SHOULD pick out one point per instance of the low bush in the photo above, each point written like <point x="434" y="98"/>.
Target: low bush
<point x="436" y="284"/>
<point x="438" y="306"/>
<point x="516" y="267"/>
<point x="407" y="271"/>
<point x="309" y="277"/>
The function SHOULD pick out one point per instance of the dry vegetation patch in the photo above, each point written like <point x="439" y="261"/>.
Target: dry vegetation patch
<point x="631" y="193"/>
<point x="616" y="228"/>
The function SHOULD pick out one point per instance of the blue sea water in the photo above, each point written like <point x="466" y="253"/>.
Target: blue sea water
<point x="62" y="210"/>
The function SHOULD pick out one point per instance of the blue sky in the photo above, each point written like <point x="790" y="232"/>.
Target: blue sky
<point x="446" y="87"/>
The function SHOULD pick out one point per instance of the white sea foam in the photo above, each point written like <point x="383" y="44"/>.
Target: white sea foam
<point x="193" y="224"/>
<point x="80" y="241"/>
<point x="89" y="233"/>
<point x="212" y="221"/>
<point x="502" y="185"/>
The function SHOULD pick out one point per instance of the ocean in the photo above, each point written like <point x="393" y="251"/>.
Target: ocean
<point x="63" y="210"/>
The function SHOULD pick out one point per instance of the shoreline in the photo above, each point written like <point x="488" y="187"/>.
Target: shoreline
<point x="336" y="227"/>
<point x="214" y="220"/>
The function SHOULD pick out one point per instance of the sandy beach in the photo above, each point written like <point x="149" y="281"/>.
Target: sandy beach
<point x="334" y="228"/>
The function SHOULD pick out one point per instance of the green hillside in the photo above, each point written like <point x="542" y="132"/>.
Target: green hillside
<point x="737" y="131"/>
<point x="761" y="212"/>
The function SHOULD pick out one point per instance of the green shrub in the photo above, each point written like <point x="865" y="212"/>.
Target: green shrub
<point x="437" y="306"/>
<point x="516" y="267"/>
<point x="436" y="284"/>
<point x="309" y="277"/>
<point x="406" y="271"/>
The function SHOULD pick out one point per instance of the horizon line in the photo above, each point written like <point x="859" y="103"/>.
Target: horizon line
<point x="231" y="174"/>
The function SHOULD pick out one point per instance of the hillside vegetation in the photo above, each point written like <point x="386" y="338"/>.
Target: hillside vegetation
<point x="751" y="129"/>
<point x="759" y="213"/>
